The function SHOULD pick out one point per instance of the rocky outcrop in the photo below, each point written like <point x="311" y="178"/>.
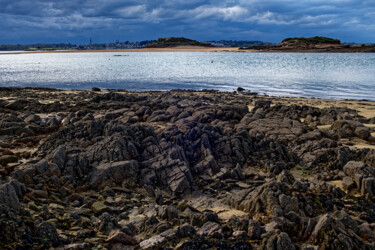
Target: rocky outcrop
<point x="116" y="173"/>
<point x="362" y="175"/>
<point x="182" y="169"/>
<point x="10" y="193"/>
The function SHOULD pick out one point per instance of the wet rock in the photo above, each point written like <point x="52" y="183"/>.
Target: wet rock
<point x="17" y="104"/>
<point x="167" y="212"/>
<point x="211" y="229"/>
<point x="10" y="193"/>
<point x="365" y="232"/>
<point x="152" y="242"/>
<point x="59" y="157"/>
<point x="47" y="234"/>
<point x="310" y="136"/>
<point x="282" y="128"/>
<point x="98" y="207"/>
<point x="75" y="246"/>
<point x="239" y="234"/>
<point x="185" y="230"/>
<point x="262" y="199"/>
<point x="272" y="226"/>
<point x="116" y="172"/>
<point x="363" y="175"/>
<point x="163" y="227"/>
<point x="346" y="219"/>
<point x="330" y="232"/>
<point x="106" y="223"/>
<point x="170" y="170"/>
<point x="33" y="119"/>
<point x="6" y="159"/>
<point x="278" y="242"/>
<point x="104" y="179"/>
<point x="348" y="183"/>
<point x="169" y="234"/>
<point x="120" y="237"/>
<point x="309" y="247"/>
<point x="362" y="132"/>
<point x="262" y="103"/>
<point x="255" y="230"/>
<point x="240" y="89"/>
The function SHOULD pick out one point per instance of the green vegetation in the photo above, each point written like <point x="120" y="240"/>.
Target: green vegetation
<point x="176" y="41"/>
<point x="315" y="39"/>
<point x="231" y="43"/>
<point x="33" y="47"/>
<point x="304" y="172"/>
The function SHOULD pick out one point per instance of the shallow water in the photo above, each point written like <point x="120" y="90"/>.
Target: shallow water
<point x="326" y="75"/>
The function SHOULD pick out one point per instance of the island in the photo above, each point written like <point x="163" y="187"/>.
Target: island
<point x="312" y="44"/>
<point x="176" y="42"/>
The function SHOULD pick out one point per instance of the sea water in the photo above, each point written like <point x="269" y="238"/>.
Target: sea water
<point x="321" y="75"/>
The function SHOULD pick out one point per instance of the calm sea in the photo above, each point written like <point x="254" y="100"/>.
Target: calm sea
<point x="331" y="75"/>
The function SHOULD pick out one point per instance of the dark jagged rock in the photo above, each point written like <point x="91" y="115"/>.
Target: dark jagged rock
<point x="184" y="170"/>
<point x="363" y="176"/>
<point x="47" y="234"/>
<point x="116" y="173"/>
<point x="10" y="193"/>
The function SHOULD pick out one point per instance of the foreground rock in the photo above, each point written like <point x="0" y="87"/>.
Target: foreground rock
<point x="182" y="169"/>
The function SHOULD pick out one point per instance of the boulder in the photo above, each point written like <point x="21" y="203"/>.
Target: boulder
<point x="119" y="237"/>
<point x="279" y="241"/>
<point x="17" y="104"/>
<point x="348" y="183"/>
<point x="33" y="119"/>
<point x="152" y="242"/>
<point x="255" y="230"/>
<point x="263" y="199"/>
<point x="59" y="157"/>
<point x="185" y="230"/>
<point x="6" y="159"/>
<point x="210" y="229"/>
<point x="10" y="193"/>
<point x="362" y="132"/>
<point x="331" y="232"/>
<point x="363" y="175"/>
<point x="115" y="172"/>
<point x="99" y="207"/>
<point x="47" y="234"/>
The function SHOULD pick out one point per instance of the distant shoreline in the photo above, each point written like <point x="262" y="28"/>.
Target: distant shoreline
<point x="170" y="49"/>
<point x="202" y="49"/>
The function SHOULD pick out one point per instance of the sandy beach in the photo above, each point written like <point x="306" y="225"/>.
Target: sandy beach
<point x="171" y="49"/>
<point x="263" y="49"/>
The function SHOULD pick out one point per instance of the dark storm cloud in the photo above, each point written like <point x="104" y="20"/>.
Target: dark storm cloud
<point x="42" y="20"/>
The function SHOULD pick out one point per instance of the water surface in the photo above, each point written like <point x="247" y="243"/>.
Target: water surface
<point x="323" y="75"/>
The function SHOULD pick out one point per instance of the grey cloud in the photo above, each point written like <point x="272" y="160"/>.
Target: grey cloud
<point x="271" y="19"/>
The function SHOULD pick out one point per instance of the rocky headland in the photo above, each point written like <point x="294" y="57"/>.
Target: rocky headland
<point x="184" y="170"/>
<point x="313" y="44"/>
<point x="176" y="42"/>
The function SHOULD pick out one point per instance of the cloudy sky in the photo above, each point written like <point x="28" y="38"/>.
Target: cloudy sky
<point x="32" y="21"/>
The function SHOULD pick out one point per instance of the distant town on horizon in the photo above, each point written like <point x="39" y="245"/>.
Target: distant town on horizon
<point x="91" y="45"/>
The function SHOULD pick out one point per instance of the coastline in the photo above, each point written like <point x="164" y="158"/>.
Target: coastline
<point x="172" y="49"/>
<point x="211" y="49"/>
<point x="86" y="169"/>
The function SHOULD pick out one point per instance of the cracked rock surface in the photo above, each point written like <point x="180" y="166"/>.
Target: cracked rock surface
<point x="183" y="170"/>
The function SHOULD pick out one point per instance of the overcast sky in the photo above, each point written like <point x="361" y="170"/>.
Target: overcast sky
<point x="75" y="21"/>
